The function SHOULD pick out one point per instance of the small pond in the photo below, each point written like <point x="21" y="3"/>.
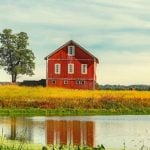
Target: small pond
<point x="111" y="131"/>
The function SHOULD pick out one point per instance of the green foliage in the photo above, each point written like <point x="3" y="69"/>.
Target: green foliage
<point x="123" y="87"/>
<point x="15" y="57"/>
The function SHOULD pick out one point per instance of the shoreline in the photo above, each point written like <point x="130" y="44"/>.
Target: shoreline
<point x="69" y="112"/>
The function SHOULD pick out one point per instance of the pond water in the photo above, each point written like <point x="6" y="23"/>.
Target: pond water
<point x="111" y="131"/>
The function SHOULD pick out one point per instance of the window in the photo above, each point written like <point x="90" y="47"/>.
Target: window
<point x="70" y="68"/>
<point x="77" y="81"/>
<point x="53" y="81"/>
<point x="83" y="68"/>
<point x="71" y="50"/>
<point x="57" y="68"/>
<point x="80" y="82"/>
<point x="65" y="81"/>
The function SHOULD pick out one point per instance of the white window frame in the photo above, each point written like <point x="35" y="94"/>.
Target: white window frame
<point x="71" y="50"/>
<point x="53" y="81"/>
<point x="65" y="81"/>
<point x="84" y="68"/>
<point x="57" y="68"/>
<point x="70" y="68"/>
<point x="77" y="81"/>
<point x="80" y="82"/>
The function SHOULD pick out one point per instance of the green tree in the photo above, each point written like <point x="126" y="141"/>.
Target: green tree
<point x="15" y="57"/>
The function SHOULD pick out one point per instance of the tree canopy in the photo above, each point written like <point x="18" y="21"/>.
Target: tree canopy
<point x="15" y="57"/>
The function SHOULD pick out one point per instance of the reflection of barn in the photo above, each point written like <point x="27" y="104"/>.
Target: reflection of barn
<point x="70" y="132"/>
<point x="49" y="131"/>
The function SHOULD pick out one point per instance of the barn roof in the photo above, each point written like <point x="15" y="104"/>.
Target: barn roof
<point x="72" y="42"/>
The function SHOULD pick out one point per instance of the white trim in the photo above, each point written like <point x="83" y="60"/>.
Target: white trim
<point x="94" y="74"/>
<point x="70" y="59"/>
<point x="46" y="73"/>
<point x="72" y="42"/>
<point x="66" y="81"/>
<point x="80" y="82"/>
<point x="57" y="68"/>
<point x="71" y="50"/>
<point x="84" y="69"/>
<point x="53" y="81"/>
<point x="70" y="68"/>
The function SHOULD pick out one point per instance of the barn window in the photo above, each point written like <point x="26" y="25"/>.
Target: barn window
<point x="71" y="50"/>
<point x="83" y="68"/>
<point x="80" y="82"/>
<point x="65" y="81"/>
<point x="70" y="68"/>
<point x="57" y="68"/>
<point x="77" y="81"/>
<point x="53" y="81"/>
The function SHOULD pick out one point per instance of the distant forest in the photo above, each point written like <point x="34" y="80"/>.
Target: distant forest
<point x="123" y="87"/>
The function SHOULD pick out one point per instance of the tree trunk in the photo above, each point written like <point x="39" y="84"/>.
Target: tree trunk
<point x="14" y="77"/>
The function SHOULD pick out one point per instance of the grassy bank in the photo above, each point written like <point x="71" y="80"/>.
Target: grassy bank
<point x="70" y="112"/>
<point x="6" y="144"/>
<point x="56" y="101"/>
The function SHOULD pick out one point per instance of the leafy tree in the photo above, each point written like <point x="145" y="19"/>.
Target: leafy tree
<point x="15" y="57"/>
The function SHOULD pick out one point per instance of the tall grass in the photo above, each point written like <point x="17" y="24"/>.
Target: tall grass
<point x="6" y="144"/>
<point x="54" y="98"/>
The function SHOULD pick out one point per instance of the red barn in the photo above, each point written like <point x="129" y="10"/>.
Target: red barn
<point x="71" y="66"/>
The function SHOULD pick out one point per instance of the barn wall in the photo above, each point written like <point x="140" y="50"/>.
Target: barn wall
<point x="64" y="69"/>
<point x="71" y="84"/>
<point x="61" y="57"/>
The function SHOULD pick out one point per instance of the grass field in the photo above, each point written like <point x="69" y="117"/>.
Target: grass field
<point x="40" y="98"/>
<point x="6" y="144"/>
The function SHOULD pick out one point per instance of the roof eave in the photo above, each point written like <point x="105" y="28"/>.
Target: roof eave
<point x="96" y="59"/>
<point x="71" y="41"/>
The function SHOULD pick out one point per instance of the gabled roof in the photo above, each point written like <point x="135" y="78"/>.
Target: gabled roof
<point x="72" y="42"/>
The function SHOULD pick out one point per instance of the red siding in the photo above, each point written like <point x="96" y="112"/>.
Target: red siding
<point x="64" y="69"/>
<point x="50" y="132"/>
<point x="90" y="133"/>
<point x="63" y="132"/>
<point x="81" y="57"/>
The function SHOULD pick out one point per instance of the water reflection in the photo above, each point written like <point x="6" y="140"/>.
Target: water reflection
<point x="111" y="131"/>
<point x="50" y="131"/>
<point x="70" y="132"/>
<point x="13" y="128"/>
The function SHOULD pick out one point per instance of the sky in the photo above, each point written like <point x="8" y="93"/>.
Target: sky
<point x="117" y="32"/>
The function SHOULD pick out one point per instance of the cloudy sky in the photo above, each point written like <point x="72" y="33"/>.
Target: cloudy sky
<point x="115" y="31"/>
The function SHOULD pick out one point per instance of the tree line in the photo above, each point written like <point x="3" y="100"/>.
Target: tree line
<point x="124" y="87"/>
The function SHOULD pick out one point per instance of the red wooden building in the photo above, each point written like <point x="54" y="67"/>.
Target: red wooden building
<point x="71" y="66"/>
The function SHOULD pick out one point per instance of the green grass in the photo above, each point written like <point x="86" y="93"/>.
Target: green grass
<point x="6" y="144"/>
<point x="18" y="145"/>
<point x="71" y="112"/>
<point x="15" y="100"/>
